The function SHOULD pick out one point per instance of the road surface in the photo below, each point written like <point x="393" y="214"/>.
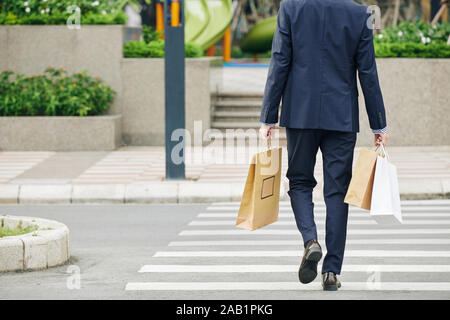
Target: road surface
<point x="195" y="252"/>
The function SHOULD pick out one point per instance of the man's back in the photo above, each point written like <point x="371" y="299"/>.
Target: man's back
<point x="317" y="48"/>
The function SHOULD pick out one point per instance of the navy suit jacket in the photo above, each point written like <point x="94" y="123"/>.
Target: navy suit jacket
<point x="317" y="48"/>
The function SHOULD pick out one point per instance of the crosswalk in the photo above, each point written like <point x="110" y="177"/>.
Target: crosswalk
<point x="211" y="254"/>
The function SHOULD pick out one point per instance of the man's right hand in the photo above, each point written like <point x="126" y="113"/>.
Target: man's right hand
<point x="381" y="138"/>
<point x="265" y="131"/>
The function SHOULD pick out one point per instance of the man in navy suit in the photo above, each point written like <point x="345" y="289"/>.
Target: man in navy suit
<point x="317" y="50"/>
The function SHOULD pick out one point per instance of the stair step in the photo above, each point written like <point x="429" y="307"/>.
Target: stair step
<point x="237" y="120"/>
<point x="238" y="103"/>
<point x="237" y="114"/>
<point x="235" y="124"/>
<point x="237" y="109"/>
<point x="240" y="134"/>
<point x="239" y="95"/>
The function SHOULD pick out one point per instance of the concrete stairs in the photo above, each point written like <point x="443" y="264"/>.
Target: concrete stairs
<point x="235" y="113"/>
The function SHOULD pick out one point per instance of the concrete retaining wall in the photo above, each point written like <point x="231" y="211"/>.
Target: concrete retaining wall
<point x="98" y="49"/>
<point x="416" y="91"/>
<point x="144" y="102"/>
<point x="60" y="133"/>
<point x="416" y="95"/>
<point x="139" y="83"/>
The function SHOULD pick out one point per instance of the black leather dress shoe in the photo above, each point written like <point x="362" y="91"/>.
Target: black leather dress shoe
<point x="330" y="282"/>
<point x="308" y="267"/>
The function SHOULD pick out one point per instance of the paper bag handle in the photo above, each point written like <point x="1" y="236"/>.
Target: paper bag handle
<point x="383" y="150"/>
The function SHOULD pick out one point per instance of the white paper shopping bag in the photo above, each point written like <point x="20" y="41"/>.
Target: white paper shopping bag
<point x="385" y="204"/>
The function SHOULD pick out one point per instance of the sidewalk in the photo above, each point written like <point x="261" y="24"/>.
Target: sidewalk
<point x="136" y="175"/>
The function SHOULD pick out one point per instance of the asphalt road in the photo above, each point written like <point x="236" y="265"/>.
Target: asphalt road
<point x="195" y="252"/>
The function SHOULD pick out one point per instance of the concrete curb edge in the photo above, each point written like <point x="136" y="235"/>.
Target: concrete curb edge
<point x="46" y="247"/>
<point x="173" y="192"/>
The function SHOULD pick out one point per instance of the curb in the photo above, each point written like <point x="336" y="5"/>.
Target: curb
<point x="174" y="192"/>
<point x="46" y="247"/>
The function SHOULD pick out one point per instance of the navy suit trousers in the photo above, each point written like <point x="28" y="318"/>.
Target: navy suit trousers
<point x="337" y="153"/>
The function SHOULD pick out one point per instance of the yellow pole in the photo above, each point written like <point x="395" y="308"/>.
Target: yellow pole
<point x="160" y="18"/>
<point x="175" y="13"/>
<point x="227" y="45"/>
<point x="426" y="10"/>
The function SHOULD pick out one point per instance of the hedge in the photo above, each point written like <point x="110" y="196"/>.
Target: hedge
<point x="412" y="50"/>
<point x="413" y="40"/>
<point x="55" y="12"/>
<point x="155" y="49"/>
<point x="152" y="46"/>
<point x="53" y="93"/>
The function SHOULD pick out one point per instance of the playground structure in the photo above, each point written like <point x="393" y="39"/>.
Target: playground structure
<point x="259" y="38"/>
<point x="206" y="22"/>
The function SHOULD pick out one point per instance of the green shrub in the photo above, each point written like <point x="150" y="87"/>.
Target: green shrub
<point x="95" y="18"/>
<point x="61" y="18"/>
<point x="36" y="18"/>
<point x="55" y="12"/>
<point x="8" y="18"/>
<point x="53" y="93"/>
<point x="149" y="34"/>
<point x="155" y="49"/>
<point x="236" y="52"/>
<point x="413" y="40"/>
<point x="17" y="230"/>
<point x="412" y="50"/>
<point x="136" y="49"/>
<point x="193" y="50"/>
<point x="417" y="31"/>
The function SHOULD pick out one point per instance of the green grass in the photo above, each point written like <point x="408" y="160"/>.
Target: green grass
<point x="17" y="231"/>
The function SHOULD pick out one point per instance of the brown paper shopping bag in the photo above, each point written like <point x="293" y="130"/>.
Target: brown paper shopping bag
<point x="359" y="192"/>
<point x="260" y="200"/>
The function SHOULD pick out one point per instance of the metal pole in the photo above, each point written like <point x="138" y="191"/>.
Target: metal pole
<point x="174" y="88"/>
<point x="159" y="18"/>
<point x="227" y="45"/>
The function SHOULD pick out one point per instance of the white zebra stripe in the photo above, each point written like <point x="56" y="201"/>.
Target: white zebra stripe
<point x="262" y="268"/>
<point x="279" y="286"/>
<point x="352" y="215"/>
<point x="297" y="253"/>
<point x="426" y="203"/>
<point x="296" y="232"/>
<point x="300" y="243"/>
<point x="319" y="222"/>
<point x="351" y="209"/>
